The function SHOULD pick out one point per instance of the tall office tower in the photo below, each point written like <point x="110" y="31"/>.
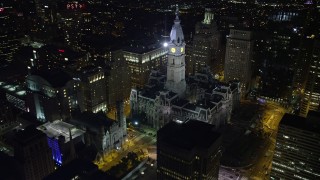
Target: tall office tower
<point x="51" y="95"/>
<point x="93" y="93"/>
<point x="306" y="46"/>
<point x="274" y="55"/>
<point x="118" y="79"/>
<point x="141" y="59"/>
<point x="188" y="150"/>
<point x="302" y="62"/>
<point x="176" y="65"/>
<point x="32" y="152"/>
<point x="206" y="45"/>
<point x="238" y="58"/>
<point x="311" y="95"/>
<point x="297" y="154"/>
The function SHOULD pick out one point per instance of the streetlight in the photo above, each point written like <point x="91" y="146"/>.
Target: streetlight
<point x="165" y="44"/>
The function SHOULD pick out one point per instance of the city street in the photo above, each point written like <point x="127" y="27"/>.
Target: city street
<point x="270" y="121"/>
<point x="141" y="139"/>
<point x="137" y="142"/>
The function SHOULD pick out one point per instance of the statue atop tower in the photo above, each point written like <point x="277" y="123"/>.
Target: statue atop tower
<point x="176" y="34"/>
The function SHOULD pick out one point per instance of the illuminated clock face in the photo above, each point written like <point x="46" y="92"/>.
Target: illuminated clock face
<point x="173" y="50"/>
<point x="182" y="49"/>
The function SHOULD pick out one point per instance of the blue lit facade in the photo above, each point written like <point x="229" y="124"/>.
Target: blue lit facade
<point x="56" y="150"/>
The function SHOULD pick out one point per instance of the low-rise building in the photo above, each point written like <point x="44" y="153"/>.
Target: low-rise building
<point x="61" y="138"/>
<point x="51" y="95"/>
<point x="102" y="132"/>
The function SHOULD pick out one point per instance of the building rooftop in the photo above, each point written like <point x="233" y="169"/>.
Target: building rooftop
<point x="13" y="89"/>
<point x="190" y="106"/>
<point x="216" y="98"/>
<point x="180" y="102"/>
<point x="188" y="135"/>
<point x="142" y="48"/>
<point x="56" y="78"/>
<point x="306" y="124"/>
<point x="59" y="128"/>
<point x="28" y="135"/>
<point x="93" y="120"/>
<point x="205" y="104"/>
<point x="90" y="69"/>
<point x="78" y="167"/>
<point x="10" y="167"/>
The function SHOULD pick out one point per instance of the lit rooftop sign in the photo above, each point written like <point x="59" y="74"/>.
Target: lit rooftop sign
<point x="75" y="6"/>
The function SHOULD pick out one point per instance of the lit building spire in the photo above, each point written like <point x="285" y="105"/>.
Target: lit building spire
<point x="176" y="59"/>
<point x="176" y="34"/>
<point x="177" y="12"/>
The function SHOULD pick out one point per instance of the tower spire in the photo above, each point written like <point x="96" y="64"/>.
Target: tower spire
<point x="176" y="59"/>
<point x="177" y="12"/>
<point x="176" y="34"/>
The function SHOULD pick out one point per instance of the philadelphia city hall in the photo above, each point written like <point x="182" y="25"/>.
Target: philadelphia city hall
<point x="175" y="97"/>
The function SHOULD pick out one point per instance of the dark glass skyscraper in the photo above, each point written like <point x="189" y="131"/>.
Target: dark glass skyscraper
<point x="297" y="154"/>
<point x="32" y="152"/>
<point x="189" y="150"/>
<point x="311" y="95"/>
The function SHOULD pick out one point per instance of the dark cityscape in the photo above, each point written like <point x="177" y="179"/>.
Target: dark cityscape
<point x="158" y="89"/>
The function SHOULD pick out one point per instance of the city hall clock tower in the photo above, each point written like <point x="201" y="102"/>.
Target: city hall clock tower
<point x="176" y="59"/>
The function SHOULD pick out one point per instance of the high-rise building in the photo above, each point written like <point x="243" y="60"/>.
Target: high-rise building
<point x="188" y="150"/>
<point x="93" y="93"/>
<point x="118" y="79"/>
<point x="311" y="95"/>
<point x="238" y="58"/>
<point x="51" y="95"/>
<point x="307" y="40"/>
<point x="297" y="153"/>
<point x="141" y="59"/>
<point x="275" y="54"/>
<point x="205" y="45"/>
<point x="32" y="152"/>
